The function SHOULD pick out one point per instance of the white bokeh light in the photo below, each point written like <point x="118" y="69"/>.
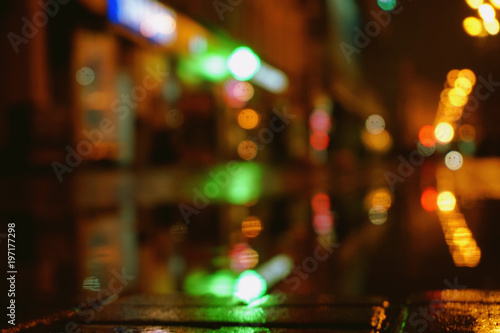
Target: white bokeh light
<point x="85" y="76"/>
<point x="375" y="124"/>
<point x="453" y="160"/>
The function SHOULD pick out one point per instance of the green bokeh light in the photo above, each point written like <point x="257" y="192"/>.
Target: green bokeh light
<point x="387" y="5"/>
<point x="196" y="283"/>
<point x="213" y="67"/>
<point x="467" y="148"/>
<point x="221" y="283"/>
<point x="245" y="184"/>
<point x="239" y="185"/>
<point x="250" y="286"/>
<point x="210" y="66"/>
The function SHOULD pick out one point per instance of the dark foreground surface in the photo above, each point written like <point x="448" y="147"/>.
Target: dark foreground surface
<point x="433" y="311"/>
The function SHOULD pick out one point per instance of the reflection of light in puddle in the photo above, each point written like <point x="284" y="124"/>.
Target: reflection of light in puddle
<point x="234" y="314"/>
<point x="377" y="215"/>
<point x="92" y="283"/>
<point x="251" y="227"/>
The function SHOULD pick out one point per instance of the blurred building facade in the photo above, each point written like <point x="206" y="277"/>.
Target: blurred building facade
<point x="100" y="118"/>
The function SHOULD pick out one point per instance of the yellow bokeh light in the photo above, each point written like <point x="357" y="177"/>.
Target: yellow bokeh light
<point x="457" y="97"/>
<point x="472" y="257"/>
<point x="459" y="238"/>
<point x="247" y="149"/>
<point x="456" y="221"/>
<point x="495" y="3"/>
<point x="473" y="26"/>
<point x="251" y="227"/>
<point x="463" y="84"/>
<point x="462" y="236"/>
<point x="248" y="118"/>
<point x="446" y="201"/>
<point x="468" y="74"/>
<point x="493" y="27"/>
<point x="377" y="142"/>
<point x="444" y="132"/>
<point x="487" y="12"/>
<point x="382" y="198"/>
<point x="451" y="225"/>
<point x="458" y="259"/>
<point x="474" y="4"/>
<point x="468" y="254"/>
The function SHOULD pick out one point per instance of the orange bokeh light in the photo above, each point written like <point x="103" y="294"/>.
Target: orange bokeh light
<point x="247" y="150"/>
<point x="248" y="119"/>
<point x="251" y="227"/>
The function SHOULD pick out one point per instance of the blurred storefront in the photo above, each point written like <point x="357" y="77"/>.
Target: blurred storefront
<point x="138" y="101"/>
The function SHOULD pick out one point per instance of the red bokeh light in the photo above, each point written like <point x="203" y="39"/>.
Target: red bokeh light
<point x="426" y="136"/>
<point x="319" y="140"/>
<point x="429" y="199"/>
<point x="321" y="203"/>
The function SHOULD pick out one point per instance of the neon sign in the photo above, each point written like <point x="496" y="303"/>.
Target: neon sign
<point x="149" y="18"/>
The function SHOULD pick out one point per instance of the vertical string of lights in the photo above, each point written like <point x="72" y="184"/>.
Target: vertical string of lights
<point x="377" y="139"/>
<point x="487" y="23"/>
<point x="243" y="63"/>
<point x="454" y="97"/>
<point x="378" y="202"/>
<point x="320" y="127"/>
<point x="323" y="218"/>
